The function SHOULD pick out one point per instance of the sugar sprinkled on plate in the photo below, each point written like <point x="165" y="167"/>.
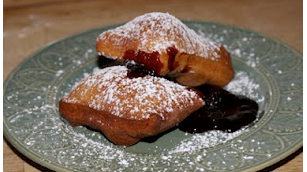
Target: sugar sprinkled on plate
<point x="206" y="140"/>
<point x="242" y="84"/>
<point x="101" y="150"/>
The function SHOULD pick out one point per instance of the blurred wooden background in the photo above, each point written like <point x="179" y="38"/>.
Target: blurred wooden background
<point x="31" y="24"/>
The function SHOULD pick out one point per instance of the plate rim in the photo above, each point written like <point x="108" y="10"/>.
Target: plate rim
<point x="50" y="165"/>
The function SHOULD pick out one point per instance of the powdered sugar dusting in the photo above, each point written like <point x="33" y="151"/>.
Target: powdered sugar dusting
<point x="156" y="32"/>
<point x="132" y="98"/>
<point x="206" y="140"/>
<point x="242" y="84"/>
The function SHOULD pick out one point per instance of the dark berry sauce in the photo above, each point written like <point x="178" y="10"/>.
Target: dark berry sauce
<point x="222" y="111"/>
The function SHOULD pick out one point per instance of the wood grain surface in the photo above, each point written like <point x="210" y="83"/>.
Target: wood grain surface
<point x="29" y="25"/>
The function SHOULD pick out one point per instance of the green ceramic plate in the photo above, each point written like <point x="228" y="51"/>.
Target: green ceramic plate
<point x="266" y="70"/>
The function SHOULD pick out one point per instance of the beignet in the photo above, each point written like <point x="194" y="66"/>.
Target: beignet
<point x="165" y="45"/>
<point x="128" y="109"/>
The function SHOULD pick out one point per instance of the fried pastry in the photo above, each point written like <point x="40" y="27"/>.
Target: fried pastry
<point x="166" y="46"/>
<point x="127" y="109"/>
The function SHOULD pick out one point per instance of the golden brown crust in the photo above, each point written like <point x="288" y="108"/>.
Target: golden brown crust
<point x="193" y="70"/>
<point x="128" y="109"/>
<point x="157" y="32"/>
<point x="120" y="131"/>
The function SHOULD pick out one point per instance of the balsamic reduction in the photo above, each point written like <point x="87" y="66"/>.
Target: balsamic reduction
<point x="222" y="111"/>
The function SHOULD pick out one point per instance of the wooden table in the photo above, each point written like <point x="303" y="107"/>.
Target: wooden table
<point x="29" y="25"/>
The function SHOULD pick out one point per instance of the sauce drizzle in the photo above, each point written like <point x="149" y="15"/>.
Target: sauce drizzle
<point x="222" y="111"/>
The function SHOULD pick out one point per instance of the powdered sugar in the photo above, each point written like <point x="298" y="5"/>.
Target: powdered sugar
<point x="206" y="140"/>
<point x="242" y="84"/>
<point x="158" y="31"/>
<point x="110" y="89"/>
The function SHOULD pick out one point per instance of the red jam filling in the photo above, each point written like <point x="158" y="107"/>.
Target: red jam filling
<point x="222" y="111"/>
<point x="150" y="61"/>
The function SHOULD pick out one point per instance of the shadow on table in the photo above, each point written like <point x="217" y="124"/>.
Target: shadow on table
<point x="27" y="160"/>
<point x="282" y="162"/>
